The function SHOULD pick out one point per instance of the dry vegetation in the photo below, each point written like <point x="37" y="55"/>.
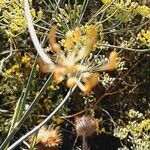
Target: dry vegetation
<point x="80" y="79"/>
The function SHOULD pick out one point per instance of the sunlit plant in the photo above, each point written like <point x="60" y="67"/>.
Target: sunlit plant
<point x="75" y="48"/>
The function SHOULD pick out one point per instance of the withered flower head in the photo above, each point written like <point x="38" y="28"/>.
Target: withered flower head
<point x="76" y="58"/>
<point x="86" y="125"/>
<point x="52" y="39"/>
<point x="49" y="137"/>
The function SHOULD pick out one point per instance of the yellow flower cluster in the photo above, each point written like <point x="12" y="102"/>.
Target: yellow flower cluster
<point x="106" y="1"/>
<point x="124" y="10"/>
<point x="16" y="70"/>
<point x="2" y="4"/>
<point x="143" y="10"/>
<point x="138" y="127"/>
<point x="40" y="14"/>
<point x="75" y="38"/>
<point x="144" y="37"/>
<point x="26" y="60"/>
<point x="13" y="70"/>
<point x="14" y="17"/>
<point x="72" y="38"/>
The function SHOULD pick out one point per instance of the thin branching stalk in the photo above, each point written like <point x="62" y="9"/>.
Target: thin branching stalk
<point x="84" y="6"/>
<point x="114" y="26"/>
<point x="50" y="9"/>
<point x="69" y="8"/>
<point x="109" y="16"/>
<point x="84" y="144"/>
<point x="41" y="27"/>
<point x="101" y="10"/>
<point x="107" y="31"/>
<point x="4" y="59"/>
<point x="75" y="21"/>
<point x="124" y="48"/>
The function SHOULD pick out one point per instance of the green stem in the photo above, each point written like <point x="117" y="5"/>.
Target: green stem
<point x="25" y="115"/>
<point x="44" y="122"/>
<point x="85" y="3"/>
<point x="100" y="11"/>
<point x="125" y="48"/>
<point x="21" y="103"/>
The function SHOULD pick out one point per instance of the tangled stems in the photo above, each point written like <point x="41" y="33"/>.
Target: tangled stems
<point x="85" y="3"/>
<point x="45" y="121"/>
<point x="18" y="124"/>
<point x="26" y="114"/>
<point x="101" y="10"/>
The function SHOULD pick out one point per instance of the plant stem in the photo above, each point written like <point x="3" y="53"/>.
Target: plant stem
<point x="42" y="123"/>
<point x="125" y="48"/>
<point x="34" y="36"/>
<point x="84" y="6"/>
<point x="25" y="115"/>
<point x="22" y="100"/>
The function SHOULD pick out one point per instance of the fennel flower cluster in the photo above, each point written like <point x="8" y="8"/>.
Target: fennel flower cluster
<point x="16" y="70"/>
<point x="138" y="127"/>
<point x="125" y="11"/>
<point x="13" y="17"/>
<point x="144" y="37"/>
<point x="143" y="10"/>
<point x="2" y="4"/>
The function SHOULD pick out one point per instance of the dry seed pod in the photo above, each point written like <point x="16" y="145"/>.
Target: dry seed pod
<point x="71" y="82"/>
<point x="56" y="47"/>
<point x="86" y="125"/>
<point x="112" y="64"/>
<point x="59" y="74"/>
<point x="52" y="39"/>
<point x="91" y="82"/>
<point x="113" y="60"/>
<point x="43" y="67"/>
<point x="48" y="138"/>
<point x="52" y="34"/>
<point x="77" y="34"/>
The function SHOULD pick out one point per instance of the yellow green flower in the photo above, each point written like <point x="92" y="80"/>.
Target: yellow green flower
<point x="144" y="37"/>
<point x="2" y="4"/>
<point x="40" y="14"/>
<point x="143" y="10"/>
<point x="106" y="1"/>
